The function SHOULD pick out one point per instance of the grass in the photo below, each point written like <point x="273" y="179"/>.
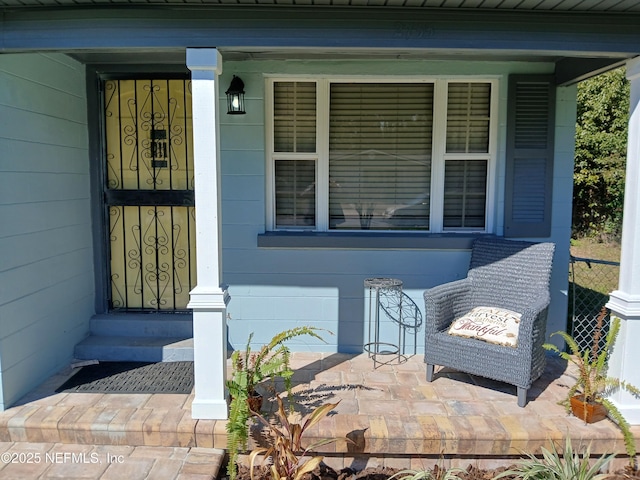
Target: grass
<point x="597" y="277"/>
<point x="590" y="248"/>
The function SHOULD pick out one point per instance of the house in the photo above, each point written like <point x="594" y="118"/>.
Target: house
<point x="379" y="139"/>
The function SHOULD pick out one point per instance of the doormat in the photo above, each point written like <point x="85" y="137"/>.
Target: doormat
<point x="131" y="377"/>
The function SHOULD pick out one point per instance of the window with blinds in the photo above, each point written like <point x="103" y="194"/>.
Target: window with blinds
<point x="396" y="156"/>
<point x="465" y="185"/>
<point x="294" y="116"/>
<point x="294" y="134"/>
<point x="295" y="193"/>
<point x="466" y="158"/>
<point x="468" y="115"/>
<point x="380" y="156"/>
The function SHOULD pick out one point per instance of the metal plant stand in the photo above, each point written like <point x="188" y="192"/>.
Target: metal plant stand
<point x="386" y="296"/>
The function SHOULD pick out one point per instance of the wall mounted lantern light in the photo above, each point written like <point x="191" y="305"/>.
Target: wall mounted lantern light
<point x="235" y="97"/>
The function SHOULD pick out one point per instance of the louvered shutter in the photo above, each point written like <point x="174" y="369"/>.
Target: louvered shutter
<point x="529" y="169"/>
<point x="380" y="156"/>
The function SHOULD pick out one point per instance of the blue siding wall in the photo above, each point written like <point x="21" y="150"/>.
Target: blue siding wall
<point x="46" y="264"/>
<point x="272" y="289"/>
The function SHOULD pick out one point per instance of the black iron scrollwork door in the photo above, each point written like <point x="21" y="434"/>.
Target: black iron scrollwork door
<point x="148" y="193"/>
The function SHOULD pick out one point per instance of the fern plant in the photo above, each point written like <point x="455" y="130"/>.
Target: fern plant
<point x="248" y="369"/>
<point x="593" y="381"/>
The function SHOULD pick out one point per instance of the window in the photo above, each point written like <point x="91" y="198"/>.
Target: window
<point x="380" y="156"/>
<point x="386" y="155"/>
<point x="466" y="155"/>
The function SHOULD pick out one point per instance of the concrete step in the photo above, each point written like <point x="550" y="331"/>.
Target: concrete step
<point x="135" y="349"/>
<point x="138" y="337"/>
<point x="143" y="324"/>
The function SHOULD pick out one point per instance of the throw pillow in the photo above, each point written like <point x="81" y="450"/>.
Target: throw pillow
<point x="490" y="324"/>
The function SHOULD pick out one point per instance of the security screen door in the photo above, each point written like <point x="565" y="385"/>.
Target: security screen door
<point x="148" y="193"/>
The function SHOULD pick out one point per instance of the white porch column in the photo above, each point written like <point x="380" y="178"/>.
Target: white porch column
<point x="209" y="298"/>
<point x="625" y="302"/>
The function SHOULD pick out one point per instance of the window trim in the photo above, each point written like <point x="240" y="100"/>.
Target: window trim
<point x="439" y="156"/>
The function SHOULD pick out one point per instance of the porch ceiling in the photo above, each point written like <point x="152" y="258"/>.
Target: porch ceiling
<point x="581" y="37"/>
<point x="611" y="6"/>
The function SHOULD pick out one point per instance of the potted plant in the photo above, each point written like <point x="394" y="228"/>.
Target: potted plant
<point x="588" y="397"/>
<point x="249" y="368"/>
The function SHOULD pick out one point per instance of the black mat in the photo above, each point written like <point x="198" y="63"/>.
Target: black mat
<point x="132" y="377"/>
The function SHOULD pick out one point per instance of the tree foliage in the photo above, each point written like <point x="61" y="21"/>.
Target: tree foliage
<point x="601" y="147"/>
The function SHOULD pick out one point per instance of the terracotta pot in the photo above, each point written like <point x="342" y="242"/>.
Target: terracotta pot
<point x="255" y="401"/>
<point x="591" y="412"/>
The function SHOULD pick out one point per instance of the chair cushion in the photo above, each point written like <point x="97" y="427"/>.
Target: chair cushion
<point x="489" y="324"/>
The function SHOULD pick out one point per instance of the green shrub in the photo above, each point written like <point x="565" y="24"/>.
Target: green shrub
<point x="555" y="466"/>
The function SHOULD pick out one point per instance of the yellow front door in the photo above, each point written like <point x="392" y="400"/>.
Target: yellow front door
<point x="148" y="193"/>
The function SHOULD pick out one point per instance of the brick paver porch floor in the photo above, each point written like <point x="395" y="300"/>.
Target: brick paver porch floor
<point x="391" y="413"/>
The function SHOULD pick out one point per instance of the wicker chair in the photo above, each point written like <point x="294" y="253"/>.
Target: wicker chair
<point x="506" y="274"/>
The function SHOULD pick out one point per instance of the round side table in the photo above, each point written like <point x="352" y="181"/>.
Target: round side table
<point x="383" y="291"/>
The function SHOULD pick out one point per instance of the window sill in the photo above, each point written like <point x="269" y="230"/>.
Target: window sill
<point x="366" y="240"/>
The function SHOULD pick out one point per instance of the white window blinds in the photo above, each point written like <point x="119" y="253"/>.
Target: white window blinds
<point x="294" y="116"/>
<point x="294" y="132"/>
<point x="467" y="155"/>
<point x="465" y="187"/>
<point x="295" y="193"/>
<point x="380" y="142"/>
<point x="468" y="113"/>
<point x="381" y="154"/>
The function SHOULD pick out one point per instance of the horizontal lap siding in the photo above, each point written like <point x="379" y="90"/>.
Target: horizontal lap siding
<point x="325" y="291"/>
<point x="46" y="266"/>
<point x="277" y="288"/>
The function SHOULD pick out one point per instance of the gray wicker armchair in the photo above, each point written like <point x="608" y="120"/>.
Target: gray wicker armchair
<point x="507" y="274"/>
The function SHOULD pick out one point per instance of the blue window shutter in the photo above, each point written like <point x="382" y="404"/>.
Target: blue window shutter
<point x="529" y="169"/>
